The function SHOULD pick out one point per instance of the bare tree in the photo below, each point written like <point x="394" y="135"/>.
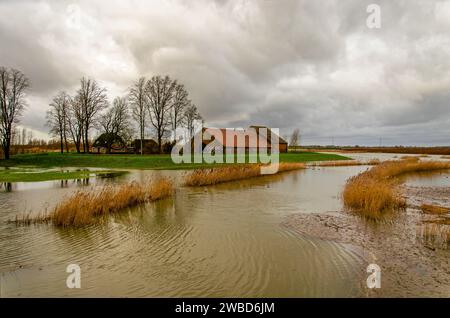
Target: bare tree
<point x="13" y="85"/>
<point x="93" y="100"/>
<point x="191" y="115"/>
<point x="115" y="123"/>
<point x="75" y="122"/>
<point x="179" y="104"/>
<point x="15" y="137"/>
<point x="24" y="136"/>
<point x="138" y="101"/>
<point x="57" y="118"/>
<point x="159" y="91"/>
<point x="116" y="119"/>
<point x="295" y="138"/>
<point x="30" y="137"/>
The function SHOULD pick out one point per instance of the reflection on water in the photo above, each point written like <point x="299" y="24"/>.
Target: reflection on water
<point x="224" y="240"/>
<point x="21" y="186"/>
<point x="429" y="179"/>
<point x="6" y="186"/>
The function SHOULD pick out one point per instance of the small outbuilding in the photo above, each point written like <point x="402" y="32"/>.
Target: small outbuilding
<point x="149" y="146"/>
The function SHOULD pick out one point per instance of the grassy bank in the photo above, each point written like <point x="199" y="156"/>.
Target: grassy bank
<point x="48" y="160"/>
<point x="375" y="192"/>
<point x="29" y="175"/>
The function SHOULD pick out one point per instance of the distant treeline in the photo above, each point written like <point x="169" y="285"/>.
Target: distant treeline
<point x="159" y="104"/>
<point x="400" y="149"/>
<point x="396" y="149"/>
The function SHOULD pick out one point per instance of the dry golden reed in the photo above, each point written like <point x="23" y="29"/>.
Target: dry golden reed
<point x="435" y="233"/>
<point x="434" y="209"/>
<point x="203" y="177"/>
<point x="375" y="191"/>
<point x="84" y="207"/>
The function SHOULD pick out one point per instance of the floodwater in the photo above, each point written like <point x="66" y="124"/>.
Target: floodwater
<point x="218" y="241"/>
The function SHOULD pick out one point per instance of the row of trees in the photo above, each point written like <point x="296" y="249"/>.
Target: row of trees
<point x="160" y="103"/>
<point x="165" y="103"/>
<point x="13" y="85"/>
<point x="72" y="118"/>
<point x="22" y="137"/>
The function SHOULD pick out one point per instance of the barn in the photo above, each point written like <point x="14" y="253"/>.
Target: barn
<point x="254" y="138"/>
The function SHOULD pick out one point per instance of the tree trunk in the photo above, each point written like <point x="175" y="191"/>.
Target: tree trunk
<point x="160" y="144"/>
<point x="87" y="141"/>
<point x="65" y="142"/>
<point x="142" y="139"/>
<point x="82" y="141"/>
<point x="78" y="145"/>
<point x="6" y="150"/>
<point x="61" y="142"/>
<point x="175" y="129"/>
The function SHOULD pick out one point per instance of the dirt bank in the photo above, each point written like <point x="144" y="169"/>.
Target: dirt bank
<point x="411" y="265"/>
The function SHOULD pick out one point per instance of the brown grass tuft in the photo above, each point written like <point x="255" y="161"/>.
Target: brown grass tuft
<point x="84" y="207"/>
<point x="409" y="158"/>
<point x="202" y="177"/>
<point x="435" y="233"/>
<point x="374" y="192"/>
<point x="372" y="197"/>
<point x="434" y="209"/>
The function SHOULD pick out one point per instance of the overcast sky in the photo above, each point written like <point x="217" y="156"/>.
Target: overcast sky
<point x="310" y="64"/>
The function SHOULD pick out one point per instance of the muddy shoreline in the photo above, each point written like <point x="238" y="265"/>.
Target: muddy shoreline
<point x="411" y="265"/>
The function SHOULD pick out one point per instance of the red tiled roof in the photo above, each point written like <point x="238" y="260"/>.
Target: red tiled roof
<point x="240" y="135"/>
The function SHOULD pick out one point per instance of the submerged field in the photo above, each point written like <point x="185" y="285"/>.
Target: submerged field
<point x="154" y="162"/>
<point x="33" y="175"/>
<point x="269" y="236"/>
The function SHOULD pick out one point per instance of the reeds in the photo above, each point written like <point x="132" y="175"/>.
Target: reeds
<point x="86" y="206"/>
<point x="375" y="192"/>
<point x="434" y="209"/>
<point x="372" y="197"/>
<point x="203" y="177"/>
<point x="435" y="233"/>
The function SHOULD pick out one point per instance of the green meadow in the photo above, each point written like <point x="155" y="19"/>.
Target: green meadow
<point x="25" y="165"/>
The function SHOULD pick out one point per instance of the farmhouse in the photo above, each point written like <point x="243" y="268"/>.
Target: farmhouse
<point x="254" y="138"/>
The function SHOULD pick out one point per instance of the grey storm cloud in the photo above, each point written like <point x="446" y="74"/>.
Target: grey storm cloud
<point x="309" y="64"/>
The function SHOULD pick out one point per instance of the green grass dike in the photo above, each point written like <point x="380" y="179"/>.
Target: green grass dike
<point x="29" y="167"/>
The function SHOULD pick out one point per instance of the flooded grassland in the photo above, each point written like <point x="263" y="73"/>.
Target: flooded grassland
<point x="277" y="236"/>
